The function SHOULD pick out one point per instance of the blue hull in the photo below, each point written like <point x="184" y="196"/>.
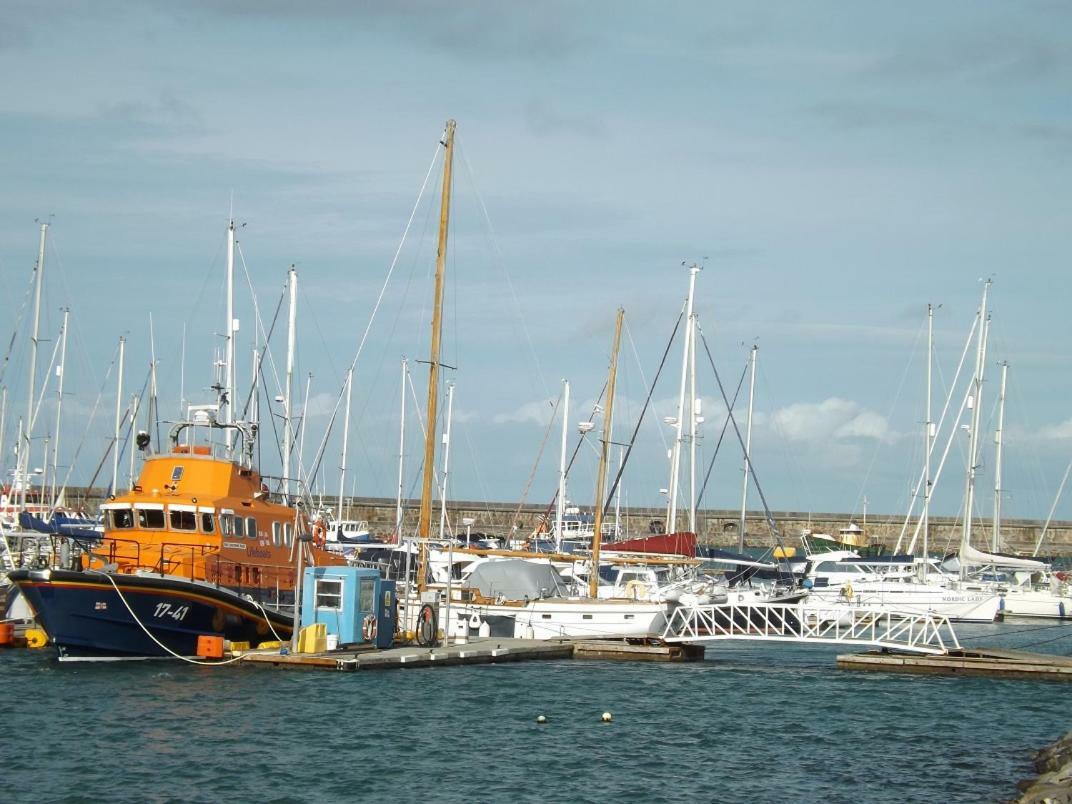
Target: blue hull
<point x="86" y="618"/>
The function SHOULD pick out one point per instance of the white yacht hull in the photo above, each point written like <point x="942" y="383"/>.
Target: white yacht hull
<point x="554" y="618"/>
<point x="916" y="598"/>
<point x="1042" y="604"/>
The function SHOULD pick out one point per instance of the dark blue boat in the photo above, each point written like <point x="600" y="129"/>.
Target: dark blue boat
<point x="98" y="615"/>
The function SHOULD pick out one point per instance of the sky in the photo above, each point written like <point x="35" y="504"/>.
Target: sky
<point x="833" y="167"/>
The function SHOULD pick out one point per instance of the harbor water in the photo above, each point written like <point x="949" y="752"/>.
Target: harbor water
<point x="753" y="722"/>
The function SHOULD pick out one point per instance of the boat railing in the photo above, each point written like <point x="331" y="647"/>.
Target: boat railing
<point x="201" y="562"/>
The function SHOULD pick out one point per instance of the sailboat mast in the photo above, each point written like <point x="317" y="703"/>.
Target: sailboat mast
<point x="747" y="449"/>
<point x="560" y="509"/>
<point x="24" y="448"/>
<point x="694" y="404"/>
<point x="446" y="462"/>
<point x="301" y="433"/>
<point x="59" y="407"/>
<point x="3" y="421"/>
<point x="345" y="447"/>
<point x="999" y="440"/>
<point x="928" y="439"/>
<point x="288" y="410"/>
<point x="401" y="454"/>
<point x="975" y="399"/>
<point x="608" y="418"/>
<point x="675" y="458"/>
<point x="424" y="523"/>
<point x="118" y="415"/>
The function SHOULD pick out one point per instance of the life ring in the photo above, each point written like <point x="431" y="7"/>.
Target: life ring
<point x="369" y="627"/>
<point x="427" y="626"/>
<point x="320" y="533"/>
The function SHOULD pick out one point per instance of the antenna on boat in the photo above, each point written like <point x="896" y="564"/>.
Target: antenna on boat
<point x="227" y="392"/>
<point x="118" y="415"/>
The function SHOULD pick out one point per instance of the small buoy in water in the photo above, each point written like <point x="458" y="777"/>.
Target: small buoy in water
<point x="541" y="719"/>
<point x="607" y="717"/>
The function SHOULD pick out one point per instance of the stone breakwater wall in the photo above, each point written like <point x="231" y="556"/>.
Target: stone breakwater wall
<point x="717" y="528"/>
<point x="1053" y="764"/>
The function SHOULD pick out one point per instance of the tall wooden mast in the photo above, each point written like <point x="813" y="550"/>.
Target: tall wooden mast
<point x="608" y="417"/>
<point x="424" y="523"/>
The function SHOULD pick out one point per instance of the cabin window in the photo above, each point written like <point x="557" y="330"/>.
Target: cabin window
<point x="546" y="616"/>
<point x="122" y="519"/>
<point x="176" y="474"/>
<point x="630" y="616"/>
<point x="367" y="595"/>
<point x="251" y="528"/>
<point x="151" y="518"/>
<point x="183" y="520"/>
<point x="329" y="593"/>
<point x="207" y="523"/>
<point x="227" y="524"/>
<point x="288" y="534"/>
<point x="277" y="534"/>
<point x="586" y="616"/>
<point x="236" y="526"/>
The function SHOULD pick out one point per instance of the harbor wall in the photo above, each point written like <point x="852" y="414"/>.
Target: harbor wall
<point x="717" y="528"/>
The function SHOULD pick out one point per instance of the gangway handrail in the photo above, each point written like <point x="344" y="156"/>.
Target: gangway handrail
<point x="893" y="629"/>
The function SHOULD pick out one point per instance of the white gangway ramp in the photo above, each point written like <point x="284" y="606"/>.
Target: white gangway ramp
<point x="912" y="632"/>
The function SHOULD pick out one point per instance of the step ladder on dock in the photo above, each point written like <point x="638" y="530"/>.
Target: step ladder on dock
<point x="834" y="625"/>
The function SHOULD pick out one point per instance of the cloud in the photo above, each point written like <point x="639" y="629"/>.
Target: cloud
<point x="544" y="119"/>
<point x="474" y="29"/>
<point x="980" y="56"/>
<point x="849" y="115"/>
<point x="833" y="419"/>
<point x="538" y="412"/>
<point x="1056" y="432"/>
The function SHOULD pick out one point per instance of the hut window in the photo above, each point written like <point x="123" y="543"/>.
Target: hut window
<point x="123" y="518"/>
<point x="236" y="525"/>
<point x="288" y="534"/>
<point x="277" y="534"/>
<point x="151" y="518"/>
<point x="251" y="528"/>
<point x="183" y="520"/>
<point x="368" y="595"/>
<point x="329" y="593"/>
<point x="207" y="524"/>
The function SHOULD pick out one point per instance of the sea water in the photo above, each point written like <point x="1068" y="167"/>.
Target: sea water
<point x="753" y="722"/>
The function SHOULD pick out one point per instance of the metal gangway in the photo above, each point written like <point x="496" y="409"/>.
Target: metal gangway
<point x="911" y="632"/>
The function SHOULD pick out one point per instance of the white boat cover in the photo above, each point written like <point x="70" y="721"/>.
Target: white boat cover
<point x="970" y="556"/>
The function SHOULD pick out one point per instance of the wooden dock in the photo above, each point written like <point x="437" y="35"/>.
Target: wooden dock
<point x="993" y="662"/>
<point x="489" y="650"/>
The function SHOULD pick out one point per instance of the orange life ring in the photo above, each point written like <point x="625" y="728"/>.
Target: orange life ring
<point x="320" y="533"/>
<point x="369" y="627"/>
